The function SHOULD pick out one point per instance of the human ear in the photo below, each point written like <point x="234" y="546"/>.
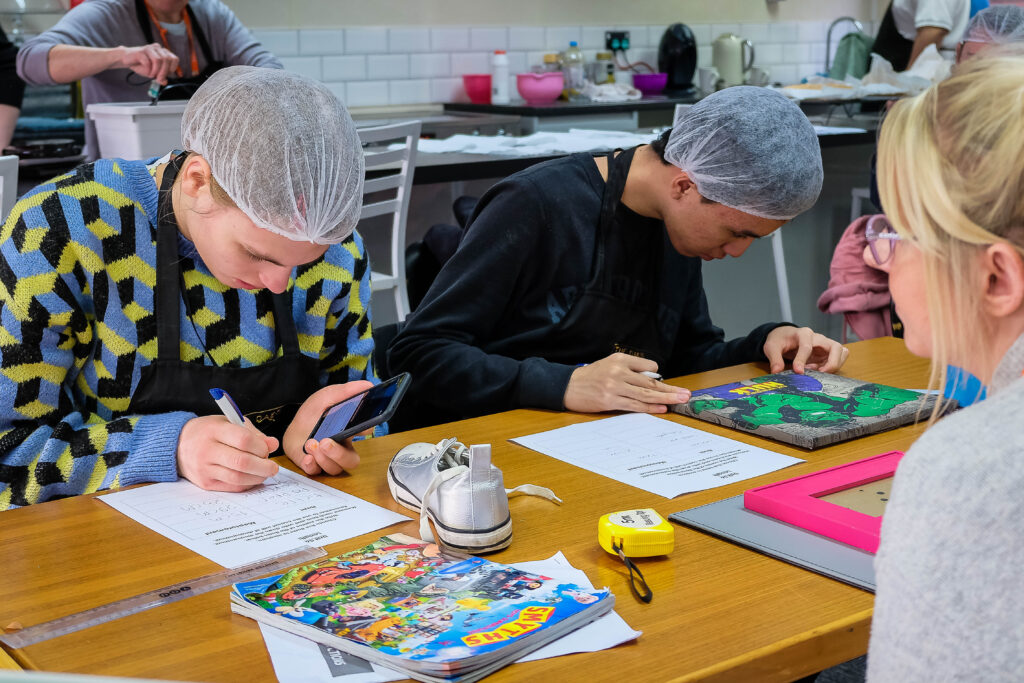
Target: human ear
<point x="681" y="184"/>
<point x="195" y="177"/>
<point x="1002" y="268"/>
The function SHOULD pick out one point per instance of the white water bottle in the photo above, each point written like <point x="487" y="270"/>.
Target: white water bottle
<point x="572" y="67"/>
<point x="499" y="78"/>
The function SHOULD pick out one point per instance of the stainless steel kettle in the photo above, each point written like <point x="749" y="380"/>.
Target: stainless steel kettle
<point x="728" y="58"/>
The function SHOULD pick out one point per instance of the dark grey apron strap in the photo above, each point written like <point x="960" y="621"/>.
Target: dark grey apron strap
<point x="143" y="17"/>
<point x="284" y="325"/>
<point x="618" y="171"/>
<point x="197" y="33"/>
<point x="166" y="308"/>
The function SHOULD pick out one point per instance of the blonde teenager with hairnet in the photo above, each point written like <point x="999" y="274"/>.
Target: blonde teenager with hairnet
<point x="578" y="275"/>
<point x="131" y="288"/>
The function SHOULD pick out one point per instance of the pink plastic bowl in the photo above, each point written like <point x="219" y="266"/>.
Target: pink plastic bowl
<point x="540" y="88"/>
<point x="478" y="87"/>
<point x="650" y="84"/>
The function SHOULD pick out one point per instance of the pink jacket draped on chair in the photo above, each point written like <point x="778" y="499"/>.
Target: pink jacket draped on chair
<point x="855" y="289"/>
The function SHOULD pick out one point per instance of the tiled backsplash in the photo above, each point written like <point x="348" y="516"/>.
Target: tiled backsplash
<point x="372" y="66"/>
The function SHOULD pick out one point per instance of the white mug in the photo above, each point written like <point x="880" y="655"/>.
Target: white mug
<point x="708" y="79"/>
<point x="759" y="76"/>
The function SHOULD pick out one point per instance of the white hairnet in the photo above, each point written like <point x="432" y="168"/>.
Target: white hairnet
<point x="750" y="149"/>
<point x="283" y="148"/>
<point x="997" y="24"/>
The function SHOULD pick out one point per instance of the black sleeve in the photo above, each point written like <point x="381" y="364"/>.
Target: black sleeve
<point x="442" y="343"/>
<point x="701" y="346"/>
<point x="12" y="88"/>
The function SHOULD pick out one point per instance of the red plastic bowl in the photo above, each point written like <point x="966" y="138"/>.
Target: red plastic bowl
<point x="650" y="84"/>
<point x="478" y="87"/>
<point x="540" y="88"/>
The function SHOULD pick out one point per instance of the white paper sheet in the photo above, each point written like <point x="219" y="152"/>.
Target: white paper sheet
<point x="288" y="511"/>
<point x="297" y="660"/>
<point x="656" y="455"/>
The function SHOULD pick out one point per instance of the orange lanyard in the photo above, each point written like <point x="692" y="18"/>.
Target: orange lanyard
<point x="188" y="30"/>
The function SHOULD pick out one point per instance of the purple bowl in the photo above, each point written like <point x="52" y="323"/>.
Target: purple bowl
<point x="650" y="84"/>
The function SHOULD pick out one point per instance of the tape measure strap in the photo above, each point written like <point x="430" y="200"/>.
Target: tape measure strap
<point x="161" y="596"/>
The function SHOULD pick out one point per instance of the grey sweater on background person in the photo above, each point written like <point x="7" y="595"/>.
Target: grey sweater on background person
<point x="110" y="23"/>
<point x="950" y="601"/>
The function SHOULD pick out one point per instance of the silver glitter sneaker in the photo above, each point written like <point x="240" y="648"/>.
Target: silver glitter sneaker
<point x="460" y="490"/>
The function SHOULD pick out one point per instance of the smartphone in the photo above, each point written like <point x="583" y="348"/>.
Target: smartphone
<point x="362" y="411"/>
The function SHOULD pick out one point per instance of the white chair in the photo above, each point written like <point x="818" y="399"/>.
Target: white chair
<point x="391" y="168"/>
<point x="8" y="185"/>
<point x="857" y="197"/>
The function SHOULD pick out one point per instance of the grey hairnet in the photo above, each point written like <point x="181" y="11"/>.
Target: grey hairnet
<point x="997" y="24"/>
<point x="750" y="149"/>
<point x="283" y="148"/>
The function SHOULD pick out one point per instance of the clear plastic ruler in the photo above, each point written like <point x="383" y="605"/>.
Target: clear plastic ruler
<point x="161" y="596"/>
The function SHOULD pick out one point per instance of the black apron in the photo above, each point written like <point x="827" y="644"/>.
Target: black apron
<point x="891" y="45"/>
<point x="267" y="394"/>
<point x="186" y="86"/>
<point x="618" y="309"/>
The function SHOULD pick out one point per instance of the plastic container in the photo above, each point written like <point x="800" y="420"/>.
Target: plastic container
<point x="650" y="84"/>
<point x="540" y="88"/>
<point x="499" y="78"/>
<point x="603" y="68"/>
<point x="478" y="87"/>
<point x="572" y="69"/>
<point x="136" y="130"/>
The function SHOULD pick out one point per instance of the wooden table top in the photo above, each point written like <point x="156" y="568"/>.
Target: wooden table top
<point x="720" y="612"/>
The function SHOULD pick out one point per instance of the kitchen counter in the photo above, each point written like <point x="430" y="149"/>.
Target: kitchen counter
<point x="647" y="112"/>
<point x="563" y="108"/>
<point x="439" y="124"/>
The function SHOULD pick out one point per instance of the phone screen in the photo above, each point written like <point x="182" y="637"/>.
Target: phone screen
<point x="361" y="409"/>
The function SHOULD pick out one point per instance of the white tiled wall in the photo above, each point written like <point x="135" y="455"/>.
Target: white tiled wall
<point x="374" y="66"/>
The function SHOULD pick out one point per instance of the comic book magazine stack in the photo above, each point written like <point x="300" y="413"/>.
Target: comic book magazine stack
<point x="426" y="612"/>
<point x="810" y="410"/>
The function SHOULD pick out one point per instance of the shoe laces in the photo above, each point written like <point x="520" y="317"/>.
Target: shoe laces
<point x="453" y="461"/>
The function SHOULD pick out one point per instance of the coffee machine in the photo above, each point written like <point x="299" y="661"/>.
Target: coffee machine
<point x="677" y="56"/>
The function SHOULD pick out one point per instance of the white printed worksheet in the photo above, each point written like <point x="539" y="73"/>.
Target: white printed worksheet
<point x="656" y="455"/>
<point x="287" y="511"/>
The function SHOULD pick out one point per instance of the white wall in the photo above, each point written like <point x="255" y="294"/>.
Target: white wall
<point x="345" y="13"/>
<point x="379" y="65"/>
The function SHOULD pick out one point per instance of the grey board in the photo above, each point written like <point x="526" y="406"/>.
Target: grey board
<point x="728" y="519"/>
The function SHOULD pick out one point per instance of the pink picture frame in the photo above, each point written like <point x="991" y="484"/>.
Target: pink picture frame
<point x="798" y="501"/>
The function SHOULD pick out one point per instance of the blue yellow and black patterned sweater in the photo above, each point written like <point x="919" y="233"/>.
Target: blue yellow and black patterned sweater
<point x="77" y="270"/>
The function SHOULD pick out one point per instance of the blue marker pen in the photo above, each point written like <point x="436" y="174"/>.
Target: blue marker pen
<point x="228" y="406"/>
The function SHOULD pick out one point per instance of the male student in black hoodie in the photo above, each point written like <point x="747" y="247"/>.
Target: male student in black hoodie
<point x="580" y="278"/>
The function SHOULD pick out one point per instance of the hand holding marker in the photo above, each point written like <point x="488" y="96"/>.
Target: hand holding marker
<point x="224" y="453"/>
<point x="234" y="415"/>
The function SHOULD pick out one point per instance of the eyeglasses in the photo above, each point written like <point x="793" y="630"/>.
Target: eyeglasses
<point x="882" y="238"/>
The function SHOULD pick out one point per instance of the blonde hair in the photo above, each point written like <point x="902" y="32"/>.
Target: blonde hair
<point x="951" y="178"/>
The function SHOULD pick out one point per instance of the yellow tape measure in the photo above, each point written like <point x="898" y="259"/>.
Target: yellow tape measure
<point x="636" y="533"/>
<point x="640" y="533"/>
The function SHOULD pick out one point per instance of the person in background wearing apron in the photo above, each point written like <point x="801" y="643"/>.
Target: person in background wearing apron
<point x="909" y="26"/>
<point x="129" y="289"/>
<point x="577" y="275"/>
<point x="117" y="48"/>
<point x="12" y="89"/>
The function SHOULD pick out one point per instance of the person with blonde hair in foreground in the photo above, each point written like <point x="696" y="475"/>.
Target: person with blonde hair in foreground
<point x="951" y="175"/>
